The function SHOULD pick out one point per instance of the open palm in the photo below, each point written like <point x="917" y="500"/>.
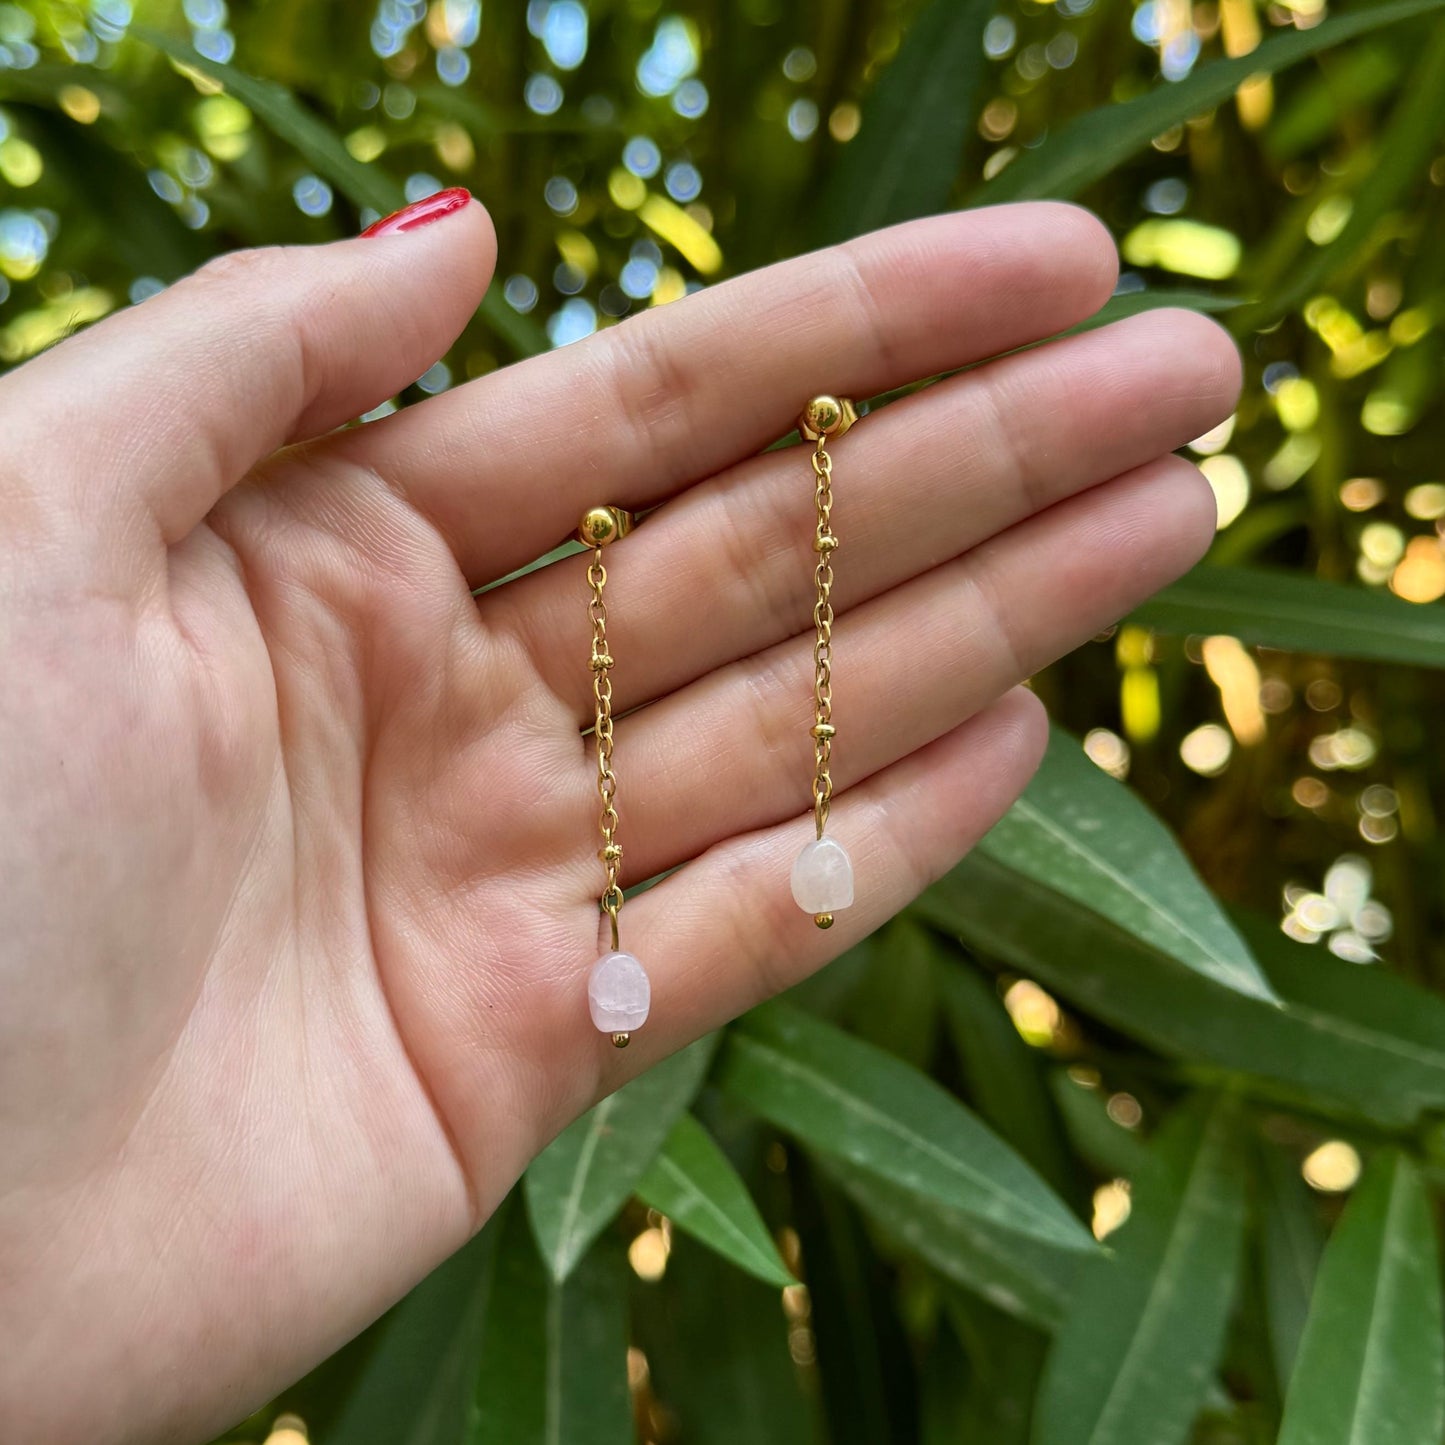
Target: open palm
<point x="299" y="878"/>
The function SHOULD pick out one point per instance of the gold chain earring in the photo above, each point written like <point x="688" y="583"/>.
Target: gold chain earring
<point x="618" y="991"/>
<point x="823" y="873"/>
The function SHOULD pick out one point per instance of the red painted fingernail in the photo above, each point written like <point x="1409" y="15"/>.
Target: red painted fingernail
<point x="420" y="213"/>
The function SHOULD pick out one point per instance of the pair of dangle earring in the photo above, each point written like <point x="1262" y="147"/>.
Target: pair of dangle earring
<point x="619" y="993"/>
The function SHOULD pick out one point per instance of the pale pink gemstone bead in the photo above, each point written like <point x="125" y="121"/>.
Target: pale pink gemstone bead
<point x="823" y="877"/>
<point x="618" y="993"/>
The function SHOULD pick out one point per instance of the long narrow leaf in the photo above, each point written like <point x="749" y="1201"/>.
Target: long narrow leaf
<point x="1291" y="1241"/>
<point x="1023" y="1278"/>
<point x="1004" y="1075"/>
<point x="1083" y="835"/>
<point x="1372" y="1362"/>
<point x="1404" y="152"/>
<point x="1006" y="1361"/>
<point x="905" y="159"/>
<point x="579" y="1182"/>
<point x="410" y="1378"/>
<point x="1134" y="303"/>
<point x="1087" y="149"/>
<point x="554" y="1356"/>
<point x="418" y="1384"/>
<point x="865" y="1366"/>
<point x="692" y="1182"/>
<point x="1146" y="1328"/>
<point x="1300" y="614"/>
<point x="894" y="1003"/>
<point x="1103" y="1144"/>
<point x="363" y="185"/>
<point x="716" y="1342"/>
<point x="846" y="1098"/>
<point x="1354" y="1039"/>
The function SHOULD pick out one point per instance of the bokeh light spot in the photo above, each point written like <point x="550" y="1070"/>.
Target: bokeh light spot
<point x="312" y="195"/>
<point x="1111" y="1207"/>
<point x="1207" y="749"/>
<point x="1187" y="248"/>
<point x="520" y="293"/>
<point x="802" y="119"/>
<point x="79" y="103"/>
<point x="20" y="162"/>
<point x="542" y="95"/>
<point x="1229" y="482"/>
<point x="1332" y="1168"/>
<point x="1107" y="750"/>
<point x="1034" y="1013"/>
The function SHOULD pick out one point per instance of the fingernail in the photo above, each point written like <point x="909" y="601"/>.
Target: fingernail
<point x="420" y="213"/>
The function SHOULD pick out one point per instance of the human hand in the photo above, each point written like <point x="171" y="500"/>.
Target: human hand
<point x="299" y="881"/>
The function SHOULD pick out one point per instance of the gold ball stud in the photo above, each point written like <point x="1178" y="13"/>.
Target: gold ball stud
<point x="823" y="920"/>
<point x="823" y="414"/>
<point x="601" y="526"/>
<point x="621" y="1041"/>
<point x="827" y="416"/>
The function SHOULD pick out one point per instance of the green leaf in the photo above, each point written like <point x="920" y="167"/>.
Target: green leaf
<point x="410" y="1378"/>
<point x="1135" y="303"/>
<point x="943" y="1396"/>
<point x="916" y="121"/>
<point x="864" y="1372"/>
<point x="283" y="114"/>
<point x="847" y="1099"/>
<point x="716" y="1342"/>
<point x="1102" y="1144"/>
<point x="419" y="1381"/>
<point x="1323" y="104"/>
<point x="1004" y="1076"/>
<point x="1291" y="1241"/>
<point x="1089" y="147"/>
<point x="1005" y="1363"/>
<point x="103" y="182"/>
<point x="363" y="185"/>
<point x="585" y="1175"/>
<point x="554" y="1356"/>
<point x="511" y="1384"/>
<point x="1299" y="614"/>
<point x="1022" y="1277"/>
<point x="894" y="1003"/>
<point x="1402" y="157"/>
<point x="694" y="1184"/>
<point x="1355" y="1039"/>
<point x="1135" y="1356"/>
<point x="1372" y="1361"/>
<point x="1083" y="835"/>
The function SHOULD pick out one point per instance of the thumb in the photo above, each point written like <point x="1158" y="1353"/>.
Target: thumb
<point x="164" y="406"/>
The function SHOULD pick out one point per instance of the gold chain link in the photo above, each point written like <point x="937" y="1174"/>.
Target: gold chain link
<point x="824" y="544"/>
<point x="610" y="852"/>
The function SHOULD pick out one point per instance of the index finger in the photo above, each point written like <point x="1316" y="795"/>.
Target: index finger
<point x="641" y="410"/>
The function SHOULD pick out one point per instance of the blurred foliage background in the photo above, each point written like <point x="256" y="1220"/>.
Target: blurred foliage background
<point x="1123" y="1133"/>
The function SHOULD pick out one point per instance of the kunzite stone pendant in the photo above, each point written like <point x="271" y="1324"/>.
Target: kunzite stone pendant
<point x="618" y="993"/>
<point x="823" y="877"/>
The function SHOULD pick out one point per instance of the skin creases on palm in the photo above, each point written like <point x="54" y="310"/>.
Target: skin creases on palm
<point x="300" y="879"/>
